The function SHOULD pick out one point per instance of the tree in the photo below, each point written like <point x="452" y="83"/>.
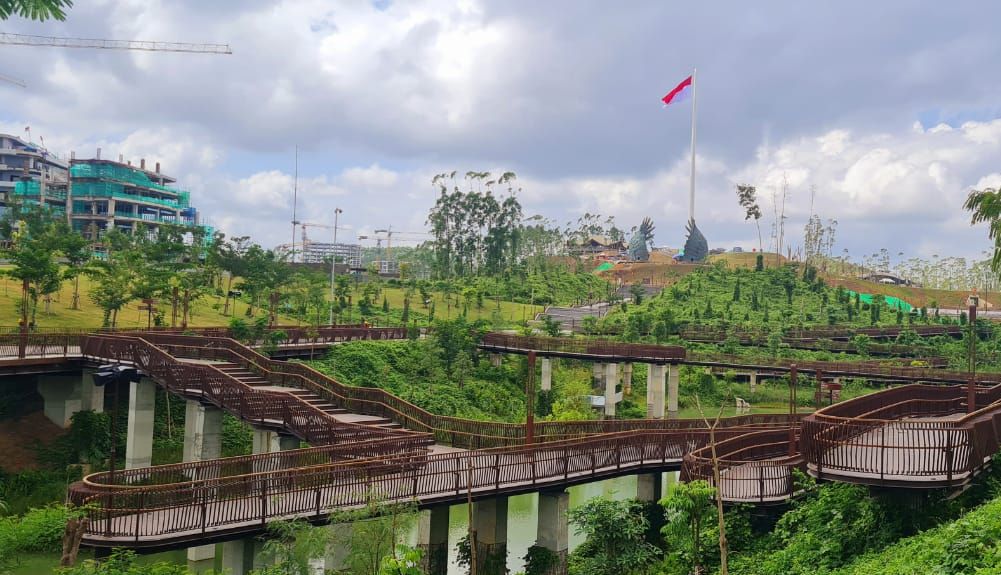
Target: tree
<point x="687" y="508"/>
<point x="36" y="242"/>
<point x="77" y="252"/>
<point x="637" y="291"/>
<point x="35" y="9"/>
<point x="985" y="206"/>
<point x="112" y="276"/>
<point x="746" y="197"/>
<point x="615" y="538"/>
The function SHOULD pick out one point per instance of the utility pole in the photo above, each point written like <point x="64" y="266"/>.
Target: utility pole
<point x="971" y="385"/>
<point x="333" y="267"/>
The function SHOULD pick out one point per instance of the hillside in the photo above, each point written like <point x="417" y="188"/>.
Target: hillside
<point x="918" y="297"/>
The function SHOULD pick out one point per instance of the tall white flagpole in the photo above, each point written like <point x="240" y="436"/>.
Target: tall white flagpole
<point x="691" y="190"/>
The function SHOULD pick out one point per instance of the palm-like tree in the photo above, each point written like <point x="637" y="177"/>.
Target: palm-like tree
<point x="985" y="206"/>
<point x="35" y="9"/>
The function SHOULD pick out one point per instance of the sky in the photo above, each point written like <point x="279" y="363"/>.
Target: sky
<point x="879" y="115"/>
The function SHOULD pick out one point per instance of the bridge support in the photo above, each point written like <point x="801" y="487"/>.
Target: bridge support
<point x="202" y="440"/>
<point x="611" y="397"/>
<point x="553" y="527"/>
<point x="432" y="540"/>
<point x="627" y="378"/>
<point x="267" y="441"/>
<point x="754" y="381"/>
<point x="490" y="526"/>
<point x="547" y="374"/>
<point x="598" y="369"/>
<point x="673" y="377"/>
<point x="496" y="359"/>
<point x="238" y="556"/>
<point x="655" y="377"/>
<point x="139" y="438"/>
<point x="649" y="487"/>
<point x="64" y="395"/>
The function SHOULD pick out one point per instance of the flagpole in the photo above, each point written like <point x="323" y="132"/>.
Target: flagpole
<point x="691" y="189"/>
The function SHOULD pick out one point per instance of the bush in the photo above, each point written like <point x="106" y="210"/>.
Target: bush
<point x="37" y="531"/>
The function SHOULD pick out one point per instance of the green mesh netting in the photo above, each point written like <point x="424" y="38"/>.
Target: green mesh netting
<point x="892" y="301"/>
<point x="604" y="267"/>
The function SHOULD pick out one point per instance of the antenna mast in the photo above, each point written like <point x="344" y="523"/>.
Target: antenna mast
<point x="295" y="199"/>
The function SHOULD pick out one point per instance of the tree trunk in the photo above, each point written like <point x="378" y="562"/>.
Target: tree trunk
<point x="185" y="306"/>
<point x="229" y="288"/>
<point x="76" y="292"/>
<point x="73" y="534"/>
<point x="173" y="308"/>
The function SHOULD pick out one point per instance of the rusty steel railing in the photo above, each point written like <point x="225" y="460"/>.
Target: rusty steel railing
<point x="754" y="467"/>
<point x="191" y="509"/>
<point x="581" y="347"/>
<point x="452" y="430"/>
<point x="913" y="433"/>
<point x="208" y="383"/>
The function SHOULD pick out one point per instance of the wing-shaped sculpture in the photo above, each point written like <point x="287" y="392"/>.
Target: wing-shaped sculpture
<point x="696" y="246"/>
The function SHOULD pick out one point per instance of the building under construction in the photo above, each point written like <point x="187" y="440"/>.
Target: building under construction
<point x="29" y="173"/>
<point x="321" y="252"/>
<point x="98" y="195"/>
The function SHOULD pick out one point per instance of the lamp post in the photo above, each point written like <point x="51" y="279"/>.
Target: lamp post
<point x="333" y="267"/>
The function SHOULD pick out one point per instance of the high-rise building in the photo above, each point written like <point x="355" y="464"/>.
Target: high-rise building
<point x="29" y="173"/>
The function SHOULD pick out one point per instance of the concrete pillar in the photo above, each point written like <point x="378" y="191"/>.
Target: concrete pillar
<point x="91" y="396"/>
<point x="139" y="441"/>
<point x="202" y="440"/>
<point x="432" y="540"/>
<point x="202" y="432"/>
<point x="599" y="374"/>
<point x="553" y="527"/>
<point x="649" y="487"/>
<point x="201" y="559"/>
<point x="547" y="374"/>
<point x="267" y="441"/>
<point x="238" y="556"/>
<point x="655" y="391"/>
<point x="627" y="378"/>
<point x="496" y="359"/>
<point x="61" y="394"/>
<point x="490" y="524"/>
<point x="754" y="381"/>
<point x="611" y="378"/>
<point x="673" y="375"/>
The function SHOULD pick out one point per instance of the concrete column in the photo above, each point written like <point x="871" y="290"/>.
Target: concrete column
<point x="496" y="359"/>
<point x="627" y="378"/>
<point x="655" y="391"/>
<point x="202" y="432"/>
<point x="490" y="524"/>
<point x="202" y="440"/>
<point x="547" y="374"/>
<point x="61" y="394"/>
<point x="432" y="540"/>
<point x="673" y="375"/>
<point x="238" y="556"/>
<point x="553" y="527"/>
<point x="91" y="396"/>
<point x="139" y="441"/>
<point x="754" y="381"/>
<point x="611" y="378"/>
<point x="649" y="487"/>
<point x="598" y="369"/>
<point x="267" y="441"/>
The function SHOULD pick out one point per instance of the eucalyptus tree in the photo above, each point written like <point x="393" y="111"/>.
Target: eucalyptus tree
<point x="747" y="198"/>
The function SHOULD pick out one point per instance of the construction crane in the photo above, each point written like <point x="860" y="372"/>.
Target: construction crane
<point x="101" y="44"/>
<point x="390" y="232"/>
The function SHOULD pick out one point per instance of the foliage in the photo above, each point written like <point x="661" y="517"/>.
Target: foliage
<point x="406" y="561"/>
<point x="291" y="544"/>
<point x="124" y="562"/>
<point x="37" y="531"/>
<point x="35" y="9"/>
<point x="472" y="231"/>
<point x="688" y="509"/>
<point x="539" y="560"/>
<point x="615" y="538"/>
<point x="373" y="532"/>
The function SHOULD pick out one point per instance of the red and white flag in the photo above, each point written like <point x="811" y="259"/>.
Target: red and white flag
<point x="681" y="93"/>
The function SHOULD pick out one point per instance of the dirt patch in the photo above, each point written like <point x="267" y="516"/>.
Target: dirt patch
<point x="19" y="439"/>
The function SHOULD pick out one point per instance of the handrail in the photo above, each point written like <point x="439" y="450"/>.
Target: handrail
<point x="753" y="466"/>
<point x="582" y="347"/>
<point x="210" y="384"/>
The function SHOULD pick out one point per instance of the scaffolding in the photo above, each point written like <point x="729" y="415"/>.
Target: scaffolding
<point x="124" y="174"/>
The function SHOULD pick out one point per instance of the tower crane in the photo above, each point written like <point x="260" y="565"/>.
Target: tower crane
<point x="390" y="232"/>
<point x="104" y="44"/>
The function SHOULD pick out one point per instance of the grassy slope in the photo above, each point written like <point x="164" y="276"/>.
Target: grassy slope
<point x="509" y="311"/>
<point x="89" y="315"/>
<point x="913" y="295"/>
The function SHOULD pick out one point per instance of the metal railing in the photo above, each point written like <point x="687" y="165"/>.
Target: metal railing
<point x="582" y="347"/>
<point x="754" y="467"/>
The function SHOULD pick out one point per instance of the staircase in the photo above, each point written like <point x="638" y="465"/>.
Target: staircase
<point x="252" y="379"/>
